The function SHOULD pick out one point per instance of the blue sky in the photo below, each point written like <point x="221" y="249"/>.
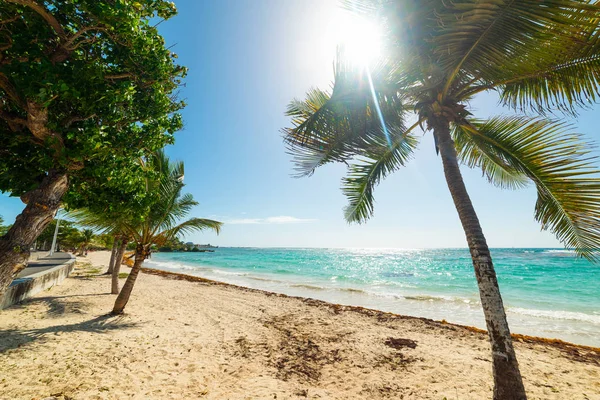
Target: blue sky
<point x="247" y="59"/>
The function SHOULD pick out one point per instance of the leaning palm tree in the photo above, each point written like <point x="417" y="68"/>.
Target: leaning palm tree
<point x="540" y="56"/>
<point x="161" y="221"/>
<point x="113" y="223"/>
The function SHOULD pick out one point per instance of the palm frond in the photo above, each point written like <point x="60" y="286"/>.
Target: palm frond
<point x="338" y="126"/>
<point x="101" y="223"/>
<point x="566" y="87"/>
<point x="189" y="226"/>
<point x="558" y="162"/>
<point x="363" y="176"/>
<point x="486" y="39"/>
<point x="491" y="161"/>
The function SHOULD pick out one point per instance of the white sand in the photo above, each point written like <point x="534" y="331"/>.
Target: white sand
<point x="189" y="340"/>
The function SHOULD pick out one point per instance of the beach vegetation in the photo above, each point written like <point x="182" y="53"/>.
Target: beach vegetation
<point x="163" y="218"/>
<point x="68" y="237"/>
<point x="541" y="58"/>
<point x="155" y="222"/>
<point x="110" y="221"/>
<point x="3" y="228"/>
<point x="86" y="89"/>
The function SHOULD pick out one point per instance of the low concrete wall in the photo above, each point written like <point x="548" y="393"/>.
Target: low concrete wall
<point x="27" y="286"/>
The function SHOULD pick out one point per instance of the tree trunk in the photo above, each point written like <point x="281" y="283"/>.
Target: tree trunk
<point x="123" y="298"/>
<point x="113" y="254"/>
<point x="42" y="204"/>
<point x="508" y="384"/>
<point x="114" y="287"/>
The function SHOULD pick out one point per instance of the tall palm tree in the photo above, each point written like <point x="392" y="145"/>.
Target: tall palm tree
<point x="540" y="56"/>
<point x="161" y="221"/>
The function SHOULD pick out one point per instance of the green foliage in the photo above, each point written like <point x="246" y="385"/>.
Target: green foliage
<point x="539" y="56"/>
<point x="174" y="244"/>
<point x="68" y="235"/>
<point x="87" y="87"/>
<point x="3" y="228"/>
<point x="515" y="150"/>
<point x="158" y="223"/>
<point x="162" y="218"/>
<point x="105" y="240"/>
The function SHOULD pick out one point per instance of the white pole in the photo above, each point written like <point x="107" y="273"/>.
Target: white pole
<point x="53" y="247"/>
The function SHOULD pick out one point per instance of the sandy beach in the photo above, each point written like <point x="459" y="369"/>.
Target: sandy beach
<point x="185" y="340"/>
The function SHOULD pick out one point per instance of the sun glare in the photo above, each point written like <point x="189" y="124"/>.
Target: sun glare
<point x="359" y="38"/>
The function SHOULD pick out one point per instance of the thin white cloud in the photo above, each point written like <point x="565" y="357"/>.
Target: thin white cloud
<point x="282" y="219"/>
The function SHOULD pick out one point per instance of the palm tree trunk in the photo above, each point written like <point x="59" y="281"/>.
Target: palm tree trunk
<point x="113" y="254"/>
<point x="123" y="298"/>
<point x="42" y="204"/>
<point x="508" y="384"/>
<point x="114" y="287"/>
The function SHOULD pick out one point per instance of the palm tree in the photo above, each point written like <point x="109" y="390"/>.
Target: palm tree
<point x="112" y="224"/>
<point x="162" y="219"/>
<point x="87" y="235"/>
<point x="540" y="56"/>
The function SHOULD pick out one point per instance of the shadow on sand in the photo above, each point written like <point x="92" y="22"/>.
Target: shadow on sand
<point x="14" y="338"/>
<point x="57" y="307"/>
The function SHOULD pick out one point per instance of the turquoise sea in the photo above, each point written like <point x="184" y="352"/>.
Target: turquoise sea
<point x="547" y="292"/>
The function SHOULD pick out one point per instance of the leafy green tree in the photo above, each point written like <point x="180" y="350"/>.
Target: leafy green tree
<point x="540" y="56"/>
<point x="86" y="88"/>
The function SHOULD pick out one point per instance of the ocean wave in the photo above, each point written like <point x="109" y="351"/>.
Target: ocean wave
<point x="173" y="265"/>
<point x="185" y="267"/>
<point x="560" y="251"/>
<point x="351" y="290"/>
<point x="228" y="273"/>
<point x="562" y="315"/>
<point x="256" y="278"/>
<point x="305" y="286"/>
<point x="441" y="298"/>
<point x="339" y="289"/>
<point x="398" y="274"/>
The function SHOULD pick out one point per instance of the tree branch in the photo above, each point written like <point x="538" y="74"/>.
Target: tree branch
<point x="37" y="122"/>
<point x="74" y="119"/>
<point x="13" y="121"/>
<point x="43" y="12"/>
<point x="69" y="44"/>
<point x="119" y="76"/>
<point x="11" y="91"/>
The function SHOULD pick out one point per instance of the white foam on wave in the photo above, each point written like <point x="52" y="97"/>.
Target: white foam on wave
<point x="441" y="298"/>
<point x="560" y="251"/>
<point x="172" y="266"/>
<point x="229" y="273"/>
<point x="563" y="315"/>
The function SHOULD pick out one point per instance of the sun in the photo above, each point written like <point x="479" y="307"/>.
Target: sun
<point x="359" y="39"/>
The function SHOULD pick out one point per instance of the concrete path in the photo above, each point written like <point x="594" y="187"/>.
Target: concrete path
<point x="42" y="273"/>
<point x="43" y="262"/>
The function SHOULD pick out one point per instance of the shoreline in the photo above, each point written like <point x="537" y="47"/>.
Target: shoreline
<point x="437" y="284"/>
<point x="189" y="337"/>
<point x="529" y="313"/>
<point x="558" y="343"/>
